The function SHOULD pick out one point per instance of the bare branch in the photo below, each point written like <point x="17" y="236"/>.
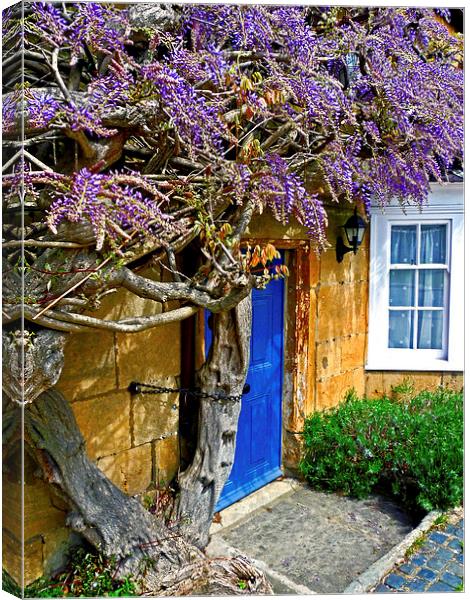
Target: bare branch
<point x="58" y="77"/>
<point x="133" y="325"/>
<point x="165" y="292"/>
<point x="43" y="244"/>
<point x="81" y="323"/>
<point x="37" y="162"/>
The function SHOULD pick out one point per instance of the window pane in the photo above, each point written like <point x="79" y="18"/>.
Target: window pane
<point x="433" y="243"/>
<point x="431" y="288"/>
<point x="430" y="329"/>
<point x="403" y="244"/>
<point x="402" y="287"/>
<point x="400" y="329"/>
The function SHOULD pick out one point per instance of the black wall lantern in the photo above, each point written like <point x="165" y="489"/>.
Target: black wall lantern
<point x="354" y="228"/>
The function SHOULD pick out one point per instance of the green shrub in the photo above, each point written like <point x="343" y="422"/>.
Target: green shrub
<point x="88" y="574"/>
<point x="412" y="449"/>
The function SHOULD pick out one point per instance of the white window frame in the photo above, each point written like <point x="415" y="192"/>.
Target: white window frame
<point x="445" y="205"/>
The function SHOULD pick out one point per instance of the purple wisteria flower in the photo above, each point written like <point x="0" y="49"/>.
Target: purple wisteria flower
<point x="37" y="108"/>
<point x="51" y="23"/>
<point x="115" y="204"/>
<point x="197" y="122"/>
<point x="100" y="26"/>
<point x="284" y="193"/>
<point x="370" y="98"/>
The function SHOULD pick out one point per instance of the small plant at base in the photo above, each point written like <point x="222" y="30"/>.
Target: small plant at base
<point x="415" y="546"/>
<point x="89" y="574"/>
<point x="440" y="521"/>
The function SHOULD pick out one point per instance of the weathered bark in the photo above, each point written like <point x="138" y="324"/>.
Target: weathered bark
<point x="114" y="523"/>
<point x="224" y="371"/>
<point x="32" y="362"/>
<point x="161" y="560"/>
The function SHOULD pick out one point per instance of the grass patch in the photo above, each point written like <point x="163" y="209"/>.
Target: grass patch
<point x="89" y="574"/>
<point x="440" y="522"/>
<point x="416" y="545"/>
<point x="409" y="447"/>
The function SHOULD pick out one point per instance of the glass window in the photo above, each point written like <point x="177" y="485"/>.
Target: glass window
<point x="433" y="244"/>
<point x="402" y="288"/>
<point x="430" y="329"/>
<point x="416" y="281"/>
<point x="403" y="244"/>
<point x="401" y="329"/>
<point x="415" y="286"/>
<point x="431" y="287"/>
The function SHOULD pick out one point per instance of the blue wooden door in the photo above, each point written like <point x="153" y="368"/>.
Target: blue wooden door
<point x="258" y="443"/>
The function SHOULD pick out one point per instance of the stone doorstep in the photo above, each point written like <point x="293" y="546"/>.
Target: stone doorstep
<point x="244" y="508"/>
<point x="241" y="511"/>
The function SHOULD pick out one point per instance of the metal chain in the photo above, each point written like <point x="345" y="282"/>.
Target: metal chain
<point x="139" y="388"/>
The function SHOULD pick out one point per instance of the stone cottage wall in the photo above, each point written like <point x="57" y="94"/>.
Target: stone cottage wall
<point x="333" y="353"/>
<point x="133" y="439"/>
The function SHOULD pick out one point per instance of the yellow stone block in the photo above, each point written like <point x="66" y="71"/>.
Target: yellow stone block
<point x="155" y="415"/>
<point x="130" y="470"/>
<point x="11" y="555"/>
<point x="328" y="358"/>
<point x="104" y="423"/>
<point x="454" y="381"/>
<point x="335" y="310"/>
<point x="265" y="226"/>
<point x="353" y="352"/>
<point x="359" y="263"/>
<point x="359" y="307"/>
<point x="149" y="355"/>
<point x="167" y="460"/>
<point x="291" y="450"/>
<point x="40" y="514"/>
<point x="33" y="560"/>
<point x="56" y="549"/>
<point x="374" y="384"/>
<point x="89" y="367"/>
<point x="331" y="391"/>
<point x="331" y="271"/>
<point x="420" y="381"/>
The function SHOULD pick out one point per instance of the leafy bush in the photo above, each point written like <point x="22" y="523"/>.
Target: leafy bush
<point x="412" y="449"/>
<point x="89" y="574"/>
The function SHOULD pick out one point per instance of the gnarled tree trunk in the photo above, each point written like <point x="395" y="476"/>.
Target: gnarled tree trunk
<point x="225" y="371"/>
<point x="160" y="559"/>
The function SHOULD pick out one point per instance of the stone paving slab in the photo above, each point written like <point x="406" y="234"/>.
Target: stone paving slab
<point x="318" y="541"/>
<point x="436" y="565"/>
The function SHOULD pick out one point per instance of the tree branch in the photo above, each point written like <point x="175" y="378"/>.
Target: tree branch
<point x="184" y="292"/>
<point x="75" y="323"/>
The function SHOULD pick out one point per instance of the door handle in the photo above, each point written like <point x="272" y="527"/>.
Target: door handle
<point x="246" y="388"/>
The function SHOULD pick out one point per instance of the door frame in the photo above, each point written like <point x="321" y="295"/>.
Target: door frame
<point x="300" y="302"/>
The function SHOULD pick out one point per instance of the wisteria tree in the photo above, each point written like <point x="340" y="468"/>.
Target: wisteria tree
<point x="140" y="132"/>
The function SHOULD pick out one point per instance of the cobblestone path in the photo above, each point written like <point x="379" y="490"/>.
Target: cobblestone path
<point x="436" y="565"/>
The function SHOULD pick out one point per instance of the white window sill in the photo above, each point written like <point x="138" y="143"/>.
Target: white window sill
<point x="428" y="366"/>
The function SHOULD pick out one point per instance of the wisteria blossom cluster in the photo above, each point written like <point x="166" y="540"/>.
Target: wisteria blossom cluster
<point x="198" y="122"/>
<point x="361" y="102"/>
<point x="118" y="206"/>
<point x="405" y="85"/>
<point x="284" y="193"/>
